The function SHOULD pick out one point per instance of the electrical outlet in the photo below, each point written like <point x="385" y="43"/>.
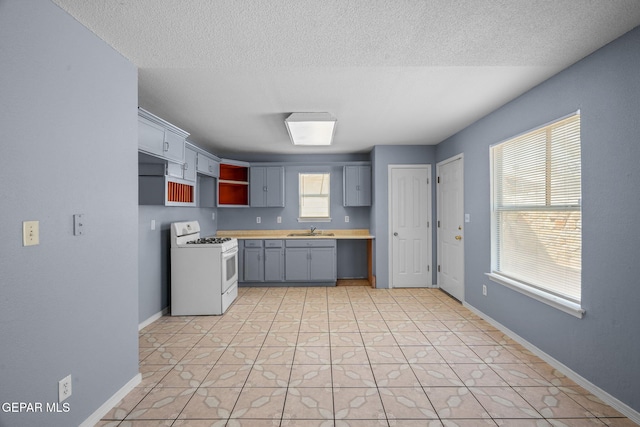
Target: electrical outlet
<point x="346" y="218"/>
<point x="484" y="290"/>
<point x="64" y="388"/>
<point x="258" y="220"/>
<point x="279" y="220"/>
<point x="30" y="233"/>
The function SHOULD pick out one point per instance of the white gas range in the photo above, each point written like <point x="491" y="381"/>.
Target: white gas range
<point x="204" y="271"/>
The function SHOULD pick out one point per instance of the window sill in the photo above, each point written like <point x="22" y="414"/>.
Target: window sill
<point x="314" y="219"/>
<point x="560" y="303"/>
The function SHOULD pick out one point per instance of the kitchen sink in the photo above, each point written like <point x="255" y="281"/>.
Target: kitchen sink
<point x="309" y="234"/>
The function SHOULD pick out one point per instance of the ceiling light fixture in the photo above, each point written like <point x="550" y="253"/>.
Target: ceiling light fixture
<point x="311" y="128"/>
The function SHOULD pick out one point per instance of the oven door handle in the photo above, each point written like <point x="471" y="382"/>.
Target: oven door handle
<point x="230" y="252"/>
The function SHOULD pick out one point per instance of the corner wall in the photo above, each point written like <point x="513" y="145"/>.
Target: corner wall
<point x="381" y="157"/>
<point x="603" y="346"/>
<point x="68" y="115"/>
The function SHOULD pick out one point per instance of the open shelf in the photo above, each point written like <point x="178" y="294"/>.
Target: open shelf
<point x="233" y="185"/>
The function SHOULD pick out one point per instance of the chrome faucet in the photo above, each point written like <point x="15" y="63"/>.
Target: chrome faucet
<point x="313" y="229"/>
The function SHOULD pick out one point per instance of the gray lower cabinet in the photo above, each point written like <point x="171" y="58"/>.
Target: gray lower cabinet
<point x="310" y="260"/>
<point x="273" y="264"/>
<point x="253" y="264"/>
<point x="297" y="264"/>
<point x="299" y="260"/>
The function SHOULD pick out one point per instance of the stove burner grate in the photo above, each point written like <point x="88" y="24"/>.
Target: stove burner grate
<point x="209" y="240"/>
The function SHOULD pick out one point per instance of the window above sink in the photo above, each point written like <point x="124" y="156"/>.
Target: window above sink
<point x="314" y="197"/>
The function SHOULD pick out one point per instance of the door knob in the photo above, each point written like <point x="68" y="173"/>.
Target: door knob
<point x="395" y="234"/>
<point x="458" y="237"/>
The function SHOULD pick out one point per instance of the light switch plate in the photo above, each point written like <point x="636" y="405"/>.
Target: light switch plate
<point x="30" y="233"/>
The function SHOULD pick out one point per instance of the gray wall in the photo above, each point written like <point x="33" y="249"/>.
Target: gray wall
<point x="603" y="347"/>
<point x="381" y="157"/>
<point x="69" y="123"/>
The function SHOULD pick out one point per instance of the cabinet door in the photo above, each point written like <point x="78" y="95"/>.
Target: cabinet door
<point x="175" y="169"/>
<point x="207" y="165"/>
<point x="322" y="264"/>
<point x="273" y="265"/>
<point x="296" y="264"/>
<point x="364" y="189"/>
<point x="173" y="146"/>
<point x="267" y="186"/>
<point x="189" y="168"/>
<point x="357" y="186"/>
<point x="253" y="265"/>
<point x="150" y="137"/>
<point x="351" y="177"/>
<point x="275" y="186"/>
<point x="258" y="186"/>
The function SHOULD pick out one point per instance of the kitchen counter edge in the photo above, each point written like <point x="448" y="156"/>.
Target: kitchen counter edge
<point x="362" y="234"/>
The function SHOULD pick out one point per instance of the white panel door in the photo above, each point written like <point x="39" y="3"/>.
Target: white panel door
<point x="409" y="219"/>
<point x="450" y="198"/>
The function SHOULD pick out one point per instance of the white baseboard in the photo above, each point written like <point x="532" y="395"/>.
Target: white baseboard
<point x="153" y="318"/>
<point x="109" y="404"/>
<point x="616" y="404"/>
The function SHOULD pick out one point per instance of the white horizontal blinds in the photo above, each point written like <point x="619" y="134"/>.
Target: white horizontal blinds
<point x="314" y="195"/>
<point x="538" y="222"/>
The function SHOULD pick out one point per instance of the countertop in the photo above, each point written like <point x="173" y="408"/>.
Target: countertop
<point x="362" y="234"/>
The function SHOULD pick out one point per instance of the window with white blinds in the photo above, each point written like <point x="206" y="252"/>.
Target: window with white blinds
<point x="314" y="196"/>
<point x="536" y="209"/>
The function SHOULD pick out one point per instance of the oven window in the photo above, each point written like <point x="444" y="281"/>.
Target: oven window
<point x="231" y="267"/>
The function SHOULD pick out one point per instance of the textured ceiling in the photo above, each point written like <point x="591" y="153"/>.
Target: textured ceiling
<point x="392" y="72"/>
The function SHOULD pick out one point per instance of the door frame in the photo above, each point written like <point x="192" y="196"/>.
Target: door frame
<point x="438" y="204"/>
<point x="426" y="166"/>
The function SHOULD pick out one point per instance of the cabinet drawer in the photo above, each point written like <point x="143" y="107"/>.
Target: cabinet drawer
<point x="253" y="243"/>
<point x="308" y="243"/>
<point x="273" y="243"/>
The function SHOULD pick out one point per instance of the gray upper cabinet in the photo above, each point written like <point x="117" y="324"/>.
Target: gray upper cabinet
<point x="208" y="165"/>
<point x="150" y="137"/>
<point x="357" y="185"/>
<point x="186" y="170"/>
<point x="173" y="145"/>
<point x="267" y="186"/>
<point x="160" y="138"/>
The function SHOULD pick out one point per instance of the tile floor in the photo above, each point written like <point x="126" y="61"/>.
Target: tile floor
<point x="347" y="356"/>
